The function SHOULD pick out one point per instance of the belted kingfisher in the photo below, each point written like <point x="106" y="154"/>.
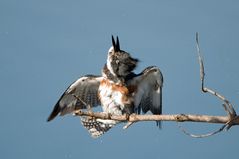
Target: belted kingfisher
<point x="118" y="90"/>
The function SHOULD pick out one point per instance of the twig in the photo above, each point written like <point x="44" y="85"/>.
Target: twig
<point x="201" y="135"/>
<point x="229" y="106"/>
<point x="128" y="124"/>
<point x="226" y="104"/>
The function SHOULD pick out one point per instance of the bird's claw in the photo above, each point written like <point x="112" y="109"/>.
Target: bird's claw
<point x="127" y="116"/>
<point x="109" y="115"/>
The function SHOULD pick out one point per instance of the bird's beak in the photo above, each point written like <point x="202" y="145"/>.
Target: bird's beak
<point x="113" y="42"/>
<point x="116" y="45"/>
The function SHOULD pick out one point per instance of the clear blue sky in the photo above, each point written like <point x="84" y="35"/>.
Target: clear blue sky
<point x="47" y="44"/>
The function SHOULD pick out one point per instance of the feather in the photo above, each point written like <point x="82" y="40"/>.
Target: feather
<point x="80" y="94"/>
<point x="148" y="96"/>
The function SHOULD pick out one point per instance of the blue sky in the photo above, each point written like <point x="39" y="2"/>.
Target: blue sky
<point x="46" y="45"/>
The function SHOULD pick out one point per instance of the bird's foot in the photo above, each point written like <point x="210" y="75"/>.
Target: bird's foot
<point x="109" y="115"/>
<point x="127" y="116"/>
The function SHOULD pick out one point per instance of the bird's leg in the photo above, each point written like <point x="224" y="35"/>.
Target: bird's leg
<point x="127" y="116"/>
<point x="109" y="115"/>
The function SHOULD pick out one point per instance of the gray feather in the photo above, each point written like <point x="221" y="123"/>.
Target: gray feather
<point x="148" y="97"/>
<point x="78" y="95"/>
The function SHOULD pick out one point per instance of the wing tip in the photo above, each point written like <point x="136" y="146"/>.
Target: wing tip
<point x="54" y="113"/>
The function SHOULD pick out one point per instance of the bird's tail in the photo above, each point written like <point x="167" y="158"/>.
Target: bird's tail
<point x="97" y="127"/>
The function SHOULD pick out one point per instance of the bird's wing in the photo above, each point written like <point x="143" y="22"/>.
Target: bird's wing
<point x="148" y="96"/>
<point x="79" y="95"/>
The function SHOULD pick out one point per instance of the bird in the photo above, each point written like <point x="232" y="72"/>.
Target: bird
<point x="118" y="90"/>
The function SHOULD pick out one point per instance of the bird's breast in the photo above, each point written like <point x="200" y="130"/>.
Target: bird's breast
<point x="115" y="95"/>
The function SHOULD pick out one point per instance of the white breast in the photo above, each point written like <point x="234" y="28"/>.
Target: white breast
<point x="112" y="100"/>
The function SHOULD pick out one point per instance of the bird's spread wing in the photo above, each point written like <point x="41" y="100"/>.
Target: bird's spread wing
<point x="148" y="96"/>
<point x="79" y="95"/>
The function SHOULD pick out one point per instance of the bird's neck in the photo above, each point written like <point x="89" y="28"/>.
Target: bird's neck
<point x="106" y="73"/>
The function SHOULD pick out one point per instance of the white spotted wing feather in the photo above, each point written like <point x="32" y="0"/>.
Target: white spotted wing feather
<point x="79" y="95"/>
<point x="148" y="96"/>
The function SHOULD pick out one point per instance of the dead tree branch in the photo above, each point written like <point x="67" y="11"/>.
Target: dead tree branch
<point x="174" y="117"/>
<point x="228" y="121"/>
<point x="226" y="104"/>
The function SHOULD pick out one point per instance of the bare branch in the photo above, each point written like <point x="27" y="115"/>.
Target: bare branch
<point x="226" y="104"/>
<point x="174" y="117"/>
<point x="232" y="116"/>
<point x="201" y="135"/>
<point x="202" y="74"/>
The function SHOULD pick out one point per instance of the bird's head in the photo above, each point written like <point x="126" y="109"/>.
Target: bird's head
<point x="119" y="62"/>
